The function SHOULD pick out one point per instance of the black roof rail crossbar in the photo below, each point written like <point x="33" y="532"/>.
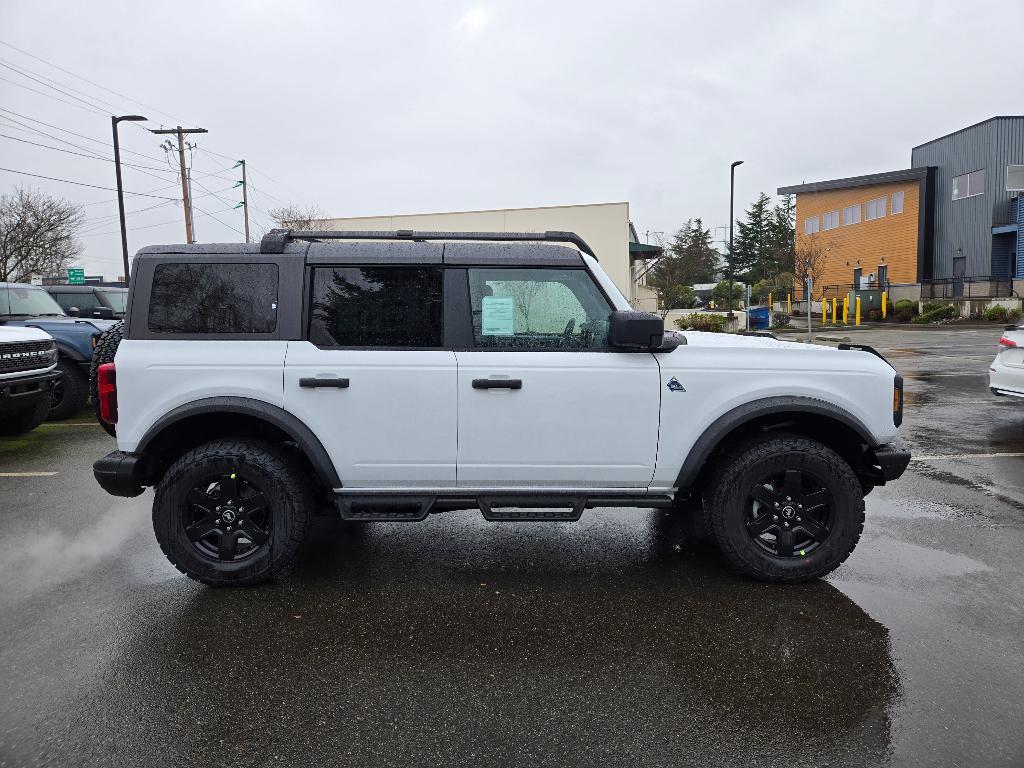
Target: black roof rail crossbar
<point x="276" y="239"/>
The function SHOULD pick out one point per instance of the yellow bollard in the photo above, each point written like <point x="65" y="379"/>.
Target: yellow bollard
<point x="789" y="304"/>
<point x="824" y="310"/>
<point x="846" y="309"/>
<point x="858" y="310"/>
<point x="885" y="297"/>
<point x="833" y="310"/>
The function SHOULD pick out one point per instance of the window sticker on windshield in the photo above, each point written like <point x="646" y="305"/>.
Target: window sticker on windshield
<point x="497" y="316"/>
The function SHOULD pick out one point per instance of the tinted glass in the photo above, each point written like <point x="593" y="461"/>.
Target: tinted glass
<point x="537" y="309"/>
<point x="117" y="300"/>
<point x="213" y="298"/>
<point x="83" y="300"/>
<point x="377" y="307"/>
<point x="27" y="300"/>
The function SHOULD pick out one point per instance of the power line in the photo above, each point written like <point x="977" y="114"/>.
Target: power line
<point x="22" y="70"/>
<point x="83" y="184"/>
<point x="86" y="80"/>
<point x="80" y="154"/>
<point x="45" y="84"/>
<point x="51" y="96"/>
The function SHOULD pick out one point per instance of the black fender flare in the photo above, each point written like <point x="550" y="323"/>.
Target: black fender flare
<point x="287" y="422"/>
<point x="756" y="409"/>
<point x="66" y="350"/>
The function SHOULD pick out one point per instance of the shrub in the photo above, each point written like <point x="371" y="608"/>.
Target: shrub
<point x="780" y="320"/>
<point x="935" y="313"/>
<point x="874" y="315"/>
<point x="906" y="305"/>
<point x="1013" y="316"/>
<point x="702" y="322"/>
<point x="997" y="314"/>
<point x="931" y="306"/>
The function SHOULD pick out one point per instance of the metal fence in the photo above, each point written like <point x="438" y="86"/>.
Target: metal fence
<point x="967" y="288"/>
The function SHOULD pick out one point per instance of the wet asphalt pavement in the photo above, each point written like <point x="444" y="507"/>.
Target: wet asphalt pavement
<point x="460" y="642"/>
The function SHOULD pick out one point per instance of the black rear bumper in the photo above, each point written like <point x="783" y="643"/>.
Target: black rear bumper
<point x="120" y="473"/>
<point x="888" y="462"/>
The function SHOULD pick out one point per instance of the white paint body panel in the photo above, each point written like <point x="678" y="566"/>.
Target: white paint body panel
<point x="722" y="372"/>
<point x="10" y="334"/>
<point x="393" y="427"/>
<point x="1007" y="370"/>
<point x="155" y="377"/>
<point x="581" y="419"/>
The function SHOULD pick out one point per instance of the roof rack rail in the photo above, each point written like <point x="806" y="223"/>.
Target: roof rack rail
<point x="276" y="239"/>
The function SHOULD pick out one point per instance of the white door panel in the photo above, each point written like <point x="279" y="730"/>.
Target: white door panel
<point x="394" y="425"/>
<point x="580" y="419"/>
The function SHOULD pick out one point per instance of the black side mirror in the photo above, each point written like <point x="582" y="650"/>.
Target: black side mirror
<point x="74" y="312"/>
<point x="103" y="313"/>
<point x="638" y="331"/>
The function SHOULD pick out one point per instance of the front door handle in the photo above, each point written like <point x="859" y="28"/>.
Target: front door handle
<point x="324" y="382"/>
<point x="497" y="383"/>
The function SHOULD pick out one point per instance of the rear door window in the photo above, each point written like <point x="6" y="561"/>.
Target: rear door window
<point x="208" y="298"/>
<point x="377" y="307"/>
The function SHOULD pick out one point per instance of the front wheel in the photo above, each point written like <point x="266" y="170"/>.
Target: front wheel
<point x="785" y="508"/>
<point x="232" y="513"/>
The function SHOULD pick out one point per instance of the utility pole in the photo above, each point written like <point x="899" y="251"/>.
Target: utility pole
<point x="245" y="198"/>
<point x="114" y="120"/>
<point x="186" y="197"/>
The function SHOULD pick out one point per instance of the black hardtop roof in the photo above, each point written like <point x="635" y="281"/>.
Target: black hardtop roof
<point x="401" y="247"/>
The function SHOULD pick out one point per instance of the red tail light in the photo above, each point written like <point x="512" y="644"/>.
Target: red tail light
<point x="1007" y="342"/>
<point x="106" y="385"/>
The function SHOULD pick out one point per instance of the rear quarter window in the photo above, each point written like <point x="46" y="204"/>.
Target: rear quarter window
<point x="210" y="298"/>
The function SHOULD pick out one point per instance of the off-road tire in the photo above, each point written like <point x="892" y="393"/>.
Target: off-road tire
<point x="26" y="419"/>
<point x="106" y="348"/>
<point x="738" y="471"/>
<point x="278" y="476"/>
<point x="72" y="389"/>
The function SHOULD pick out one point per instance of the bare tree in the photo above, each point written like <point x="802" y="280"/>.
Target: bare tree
<point x="294" y="216"/>
<point x="809" y="259"/>
<point x="38" y="235"/>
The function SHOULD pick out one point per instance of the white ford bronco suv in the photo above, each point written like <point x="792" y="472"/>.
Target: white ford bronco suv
<point x="385" y="376"/>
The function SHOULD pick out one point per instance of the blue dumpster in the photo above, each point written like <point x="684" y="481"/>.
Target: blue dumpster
<point x="759" y="317"/>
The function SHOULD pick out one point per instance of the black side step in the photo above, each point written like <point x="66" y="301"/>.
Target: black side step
<point x="385" y="509"/>
<point x="532" y="508"/>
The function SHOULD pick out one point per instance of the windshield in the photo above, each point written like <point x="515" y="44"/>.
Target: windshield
<point x="116" y="299"/>
<point x="28" y="300"/>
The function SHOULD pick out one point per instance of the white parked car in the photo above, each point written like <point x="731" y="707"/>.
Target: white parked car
<point x="396" y="374"/>
<point x="1006" y="374"/>
<point x="28" y="374"/>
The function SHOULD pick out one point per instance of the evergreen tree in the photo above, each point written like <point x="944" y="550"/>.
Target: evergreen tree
<point x="765" y="241"/>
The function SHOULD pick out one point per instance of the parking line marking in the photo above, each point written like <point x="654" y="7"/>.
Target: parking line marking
<point x="954" y="456"/>
<point x="69" y="424"/>
<point x="27" y="474"/>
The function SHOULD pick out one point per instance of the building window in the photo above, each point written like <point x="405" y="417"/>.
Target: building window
<point x="831" y="220"/>
<point x="969" y="185"/>
<point x="897" y="203"/>
<point x="851" y="215"/>
<point x="875" y="209"/>
<point x="811" y="225"/>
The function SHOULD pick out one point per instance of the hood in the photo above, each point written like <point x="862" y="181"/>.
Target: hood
<point x="12" y="333"/>
<point x="65" y="323"/>
<point x="730" y="340"/>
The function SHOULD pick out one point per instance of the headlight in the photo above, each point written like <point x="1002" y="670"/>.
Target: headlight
<point x="51" y="353"/>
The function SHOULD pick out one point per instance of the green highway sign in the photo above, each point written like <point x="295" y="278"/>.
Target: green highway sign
<point x="76" y="275"/>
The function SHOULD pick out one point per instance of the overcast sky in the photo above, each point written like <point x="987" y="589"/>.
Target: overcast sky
<point x="377" y="108"/>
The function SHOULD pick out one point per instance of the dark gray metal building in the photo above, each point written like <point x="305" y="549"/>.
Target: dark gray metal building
<point x="974" y="228"/>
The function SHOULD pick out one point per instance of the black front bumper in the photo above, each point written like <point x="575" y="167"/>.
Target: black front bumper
<point x="888" y="461"/>
<point x="120" y="473"/>
<point x="19" y="392"/>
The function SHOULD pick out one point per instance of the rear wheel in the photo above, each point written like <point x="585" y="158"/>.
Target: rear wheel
<point x="785" y="508"/>
<point x="232" y="513"/>
<point x="106" y="348"/>
<point x="68" y="395"/>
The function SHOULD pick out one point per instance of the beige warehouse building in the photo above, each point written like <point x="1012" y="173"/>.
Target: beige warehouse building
<point x="605" y="226"/>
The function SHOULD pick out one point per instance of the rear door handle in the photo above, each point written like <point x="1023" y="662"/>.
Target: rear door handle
<point x="497" y="383"/>
<point x="323" y="382"/>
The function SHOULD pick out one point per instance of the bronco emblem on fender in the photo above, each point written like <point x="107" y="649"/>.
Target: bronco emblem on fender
<point x="674" y="385"/>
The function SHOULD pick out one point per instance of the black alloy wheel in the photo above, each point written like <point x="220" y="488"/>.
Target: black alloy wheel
<point x="790" y="513"/>
<point x="227" y="518"/>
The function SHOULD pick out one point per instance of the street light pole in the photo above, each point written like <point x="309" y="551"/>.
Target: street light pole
<point x="732" y="194"/>
<point x="120" y="192"/>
